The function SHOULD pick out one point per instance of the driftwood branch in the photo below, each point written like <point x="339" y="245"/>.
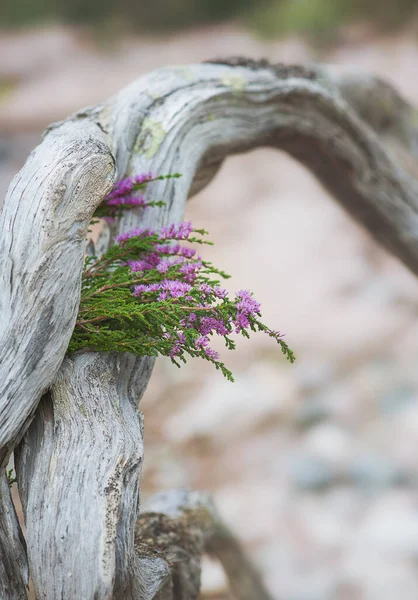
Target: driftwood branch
<point x="181" y="525"/>
<point x="74" y="426"/>
<point x="43" y="225"/>
<point x="82" y="455"/>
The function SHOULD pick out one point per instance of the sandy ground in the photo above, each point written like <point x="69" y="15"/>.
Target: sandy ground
<point x="314" y="465"/>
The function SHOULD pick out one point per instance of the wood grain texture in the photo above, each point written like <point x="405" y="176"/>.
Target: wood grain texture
<point x="88" y="501"/>
<point x="80" y="462"/>
<point x="43" y="224"/>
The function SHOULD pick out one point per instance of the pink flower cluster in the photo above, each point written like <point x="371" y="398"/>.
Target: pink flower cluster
<point x="122" y="193"/>
<point x="246" y="307"/>
<point x="168" y="288"/>
<point x="133" y="233"/>
<point x="183" y="277"/>
<point x="181" y="231"/>
<point x="180" y="302"/>
<point x="162" y="258"/>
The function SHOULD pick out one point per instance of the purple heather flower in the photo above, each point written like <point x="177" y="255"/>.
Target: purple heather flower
<point x="175" y="288"/>
<point x="132" y="201"/>
<point x="211" y="353"/>
<point x="175" y="350"/>
<point x="137" y="266"/>
<point x="176" y="260"/>
<point x="139" y="289"/>
<point x="154" y="261"/>
<point x="241" y="322"/>
<point x="138" y="179"/>
<point x="124" y="187"/>
<point x="209" y="324"/>
<point x="163" y="266"/>
<point x="246" y="303"/>
<point x="187" y="252"/>
<point x="275" y="334"/>
<point x="137" y="232"/>
<point x="247" y="307"/>
<point x="219" y="292"/>
<point x="205" y="288"/>
<point x="146" y="288"/>
<point x="201" y="342"/>
<point x="176" y="347"/>
<point x="189" y="271"/>
<point x="151" y="261"/>
<point x="167" y="248"/>
<point x="121" y="188"/>
<point x="188" y="323"/>
<point x="181" y="231"/>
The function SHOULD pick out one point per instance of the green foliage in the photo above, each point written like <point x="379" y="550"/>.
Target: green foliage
<point x="314" y="17"/>
<point x="321" y="19"/>
<point x="151" y="295"/>
<point x="149" y="313"/>
<point x="163" y="15"/>
<point x="11" y="477"/>
<point x="147" y="17"/>
<point x="272" y="18"/>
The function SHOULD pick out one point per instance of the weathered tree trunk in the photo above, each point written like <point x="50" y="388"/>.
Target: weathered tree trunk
<point x="80" y="461"/>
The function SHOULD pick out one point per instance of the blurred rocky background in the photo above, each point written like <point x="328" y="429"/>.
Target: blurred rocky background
<point x="315" y="465"/>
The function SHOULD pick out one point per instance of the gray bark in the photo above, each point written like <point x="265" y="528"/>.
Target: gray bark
<point x="13" y="563"/>
<point x="79" y="464"/>
<point x="75" y="425"/>
<point x="43" y="224"/>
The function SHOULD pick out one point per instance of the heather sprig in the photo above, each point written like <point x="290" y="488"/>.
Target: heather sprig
<point x="127" y="194"/>
<point x="150" y="295"/>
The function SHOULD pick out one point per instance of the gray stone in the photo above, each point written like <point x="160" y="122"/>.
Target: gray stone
<point x="375" y="471"/>
<point x="397" y="398"/>
<point x="308" y="473"/>
<point x="311" y="412"/>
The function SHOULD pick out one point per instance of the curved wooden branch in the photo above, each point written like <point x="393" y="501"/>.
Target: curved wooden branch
<point x="43" y="224"/>
<point x="203" y="114"/>
<point x="379" y="105"/>
<point x="188" y="120"/>
<point x="90" y="473"/>
<point x="179" y="526"/>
